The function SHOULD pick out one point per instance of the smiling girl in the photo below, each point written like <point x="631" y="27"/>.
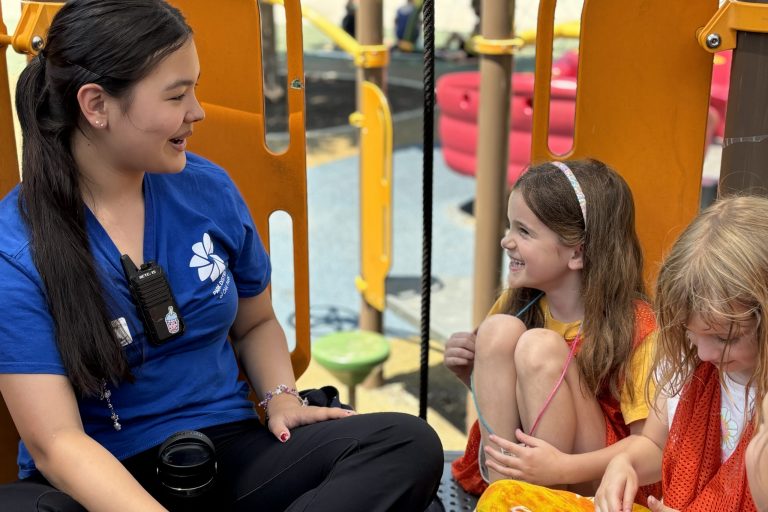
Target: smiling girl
<point x="558" y="375"/>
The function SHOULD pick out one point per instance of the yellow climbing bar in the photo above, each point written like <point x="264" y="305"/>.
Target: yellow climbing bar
<point x="375" y="123"/>
<point x="479" y="44"/>
<point x="566" y="30"/>
<point x="365" y="56"/>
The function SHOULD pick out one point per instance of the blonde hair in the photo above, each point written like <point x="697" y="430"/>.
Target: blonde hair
<point x="717" y="268"/>
<point x="611" y="278"/>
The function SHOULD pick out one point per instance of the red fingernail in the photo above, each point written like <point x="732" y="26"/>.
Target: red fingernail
<point x="284" y="437"/>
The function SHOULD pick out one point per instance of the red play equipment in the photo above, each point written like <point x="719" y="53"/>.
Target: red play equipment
<point x="458" y="100"/>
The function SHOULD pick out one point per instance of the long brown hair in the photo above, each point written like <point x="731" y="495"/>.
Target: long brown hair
<point x="717" y="268"/>
<point x="613" y="261"/>
<point x="114" y="44"/>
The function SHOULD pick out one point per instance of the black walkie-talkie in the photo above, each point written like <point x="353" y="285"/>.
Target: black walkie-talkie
<point x="154" y="300"/>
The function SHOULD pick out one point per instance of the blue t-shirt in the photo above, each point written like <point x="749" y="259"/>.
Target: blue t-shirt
<point x="199" y="229"/>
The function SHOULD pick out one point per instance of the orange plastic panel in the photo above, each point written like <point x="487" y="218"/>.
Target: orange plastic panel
<point x="641" y="106"/>
<point x="228" y="39"/>
<point x="9" y="165"/>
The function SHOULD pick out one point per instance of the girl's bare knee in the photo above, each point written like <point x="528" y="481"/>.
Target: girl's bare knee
<point x="539" y="351"/>
<point x="498" y="334"/>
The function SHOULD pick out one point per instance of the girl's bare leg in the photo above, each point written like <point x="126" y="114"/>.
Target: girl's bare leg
<point x="495" y="378"/>
<point x="573" y="421"/>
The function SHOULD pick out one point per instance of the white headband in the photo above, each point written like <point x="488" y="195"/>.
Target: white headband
<point x="576" y="188"/>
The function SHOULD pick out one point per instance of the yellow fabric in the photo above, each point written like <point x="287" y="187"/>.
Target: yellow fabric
<point x="497" y="306"/>
<point x="517" y="496"/>
<point x="639" y="366"/>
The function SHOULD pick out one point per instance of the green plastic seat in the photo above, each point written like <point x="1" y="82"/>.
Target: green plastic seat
<point x="350" y="356"/>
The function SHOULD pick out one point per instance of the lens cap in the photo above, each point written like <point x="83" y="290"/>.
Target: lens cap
<point x="186" y="463"/>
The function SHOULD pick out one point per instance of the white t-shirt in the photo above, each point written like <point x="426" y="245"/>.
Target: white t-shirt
<point x="732" y="417"/>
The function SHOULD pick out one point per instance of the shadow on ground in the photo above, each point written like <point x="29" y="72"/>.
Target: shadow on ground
<point x="445" y="394"/>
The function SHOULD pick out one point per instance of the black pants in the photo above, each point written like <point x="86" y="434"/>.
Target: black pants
<point x="376" y="462"/>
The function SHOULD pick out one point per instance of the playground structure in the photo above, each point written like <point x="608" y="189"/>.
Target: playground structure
<point x="606" y="126"/>
<point x="458" y="99"/>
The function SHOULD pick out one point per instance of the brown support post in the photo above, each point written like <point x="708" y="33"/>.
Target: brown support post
<point x="370" y="31"/>
<point x="496" y="22"/>
<point x="744" y="165"/>
<point x="492" y="157"/>
<point x="273" y="91"/>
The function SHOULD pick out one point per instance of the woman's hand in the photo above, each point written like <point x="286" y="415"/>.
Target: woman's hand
<point x="619" y="486"/>
<point x="459" y="356"/>
<point x="533" y="460"/>
<point x="286" y="412"/>
<point x="658" y="506"/>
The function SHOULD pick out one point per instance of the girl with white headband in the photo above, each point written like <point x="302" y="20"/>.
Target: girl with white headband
<point x="558" y="368"/>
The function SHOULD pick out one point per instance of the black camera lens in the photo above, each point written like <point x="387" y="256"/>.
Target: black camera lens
<point x="186" y="463"/>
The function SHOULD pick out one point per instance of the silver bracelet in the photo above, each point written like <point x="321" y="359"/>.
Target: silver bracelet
<point x="280" y="390"/>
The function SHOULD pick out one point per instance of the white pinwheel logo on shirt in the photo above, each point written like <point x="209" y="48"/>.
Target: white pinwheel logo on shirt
<point x="208" y="265"/>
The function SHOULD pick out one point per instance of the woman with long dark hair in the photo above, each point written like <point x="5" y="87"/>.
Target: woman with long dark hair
<point x="125" y="264"/>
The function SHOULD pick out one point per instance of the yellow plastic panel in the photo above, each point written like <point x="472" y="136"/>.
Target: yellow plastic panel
<point x="375" y="123"/>
<point x="9" y="165"/>
<point x="641" y="106"/>
<point x="227" y="35"/>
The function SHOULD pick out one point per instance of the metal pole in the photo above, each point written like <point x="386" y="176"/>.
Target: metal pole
<point x="492" y="155"/>
<point x="370" y="31"/>
<point x="744" y="165"/>
<point x="273" y="90"/>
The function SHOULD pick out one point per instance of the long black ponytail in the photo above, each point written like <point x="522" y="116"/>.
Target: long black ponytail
<point x="114" y="44"/>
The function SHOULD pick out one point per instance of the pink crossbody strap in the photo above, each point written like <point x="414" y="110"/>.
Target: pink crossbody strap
<point x="552" y="393"/>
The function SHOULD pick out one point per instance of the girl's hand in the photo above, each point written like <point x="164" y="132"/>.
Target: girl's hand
<point x="459" y="356"/>
<point x="619" y="486"/>
<point x="533" y="460"/>
<point x="286" y="412"/>
<point x="658" y="506"/>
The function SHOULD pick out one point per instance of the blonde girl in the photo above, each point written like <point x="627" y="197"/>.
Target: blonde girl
<point x="565" y="359"/>
<point x="710" y="367"/>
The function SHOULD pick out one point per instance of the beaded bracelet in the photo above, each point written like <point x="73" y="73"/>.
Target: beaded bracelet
<point x="279" y="390"/>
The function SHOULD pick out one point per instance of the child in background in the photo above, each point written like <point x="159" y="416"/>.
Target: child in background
<point x="407" y="22"/>
<point x="567" y="360"/>
<point x="710" y="369"/>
